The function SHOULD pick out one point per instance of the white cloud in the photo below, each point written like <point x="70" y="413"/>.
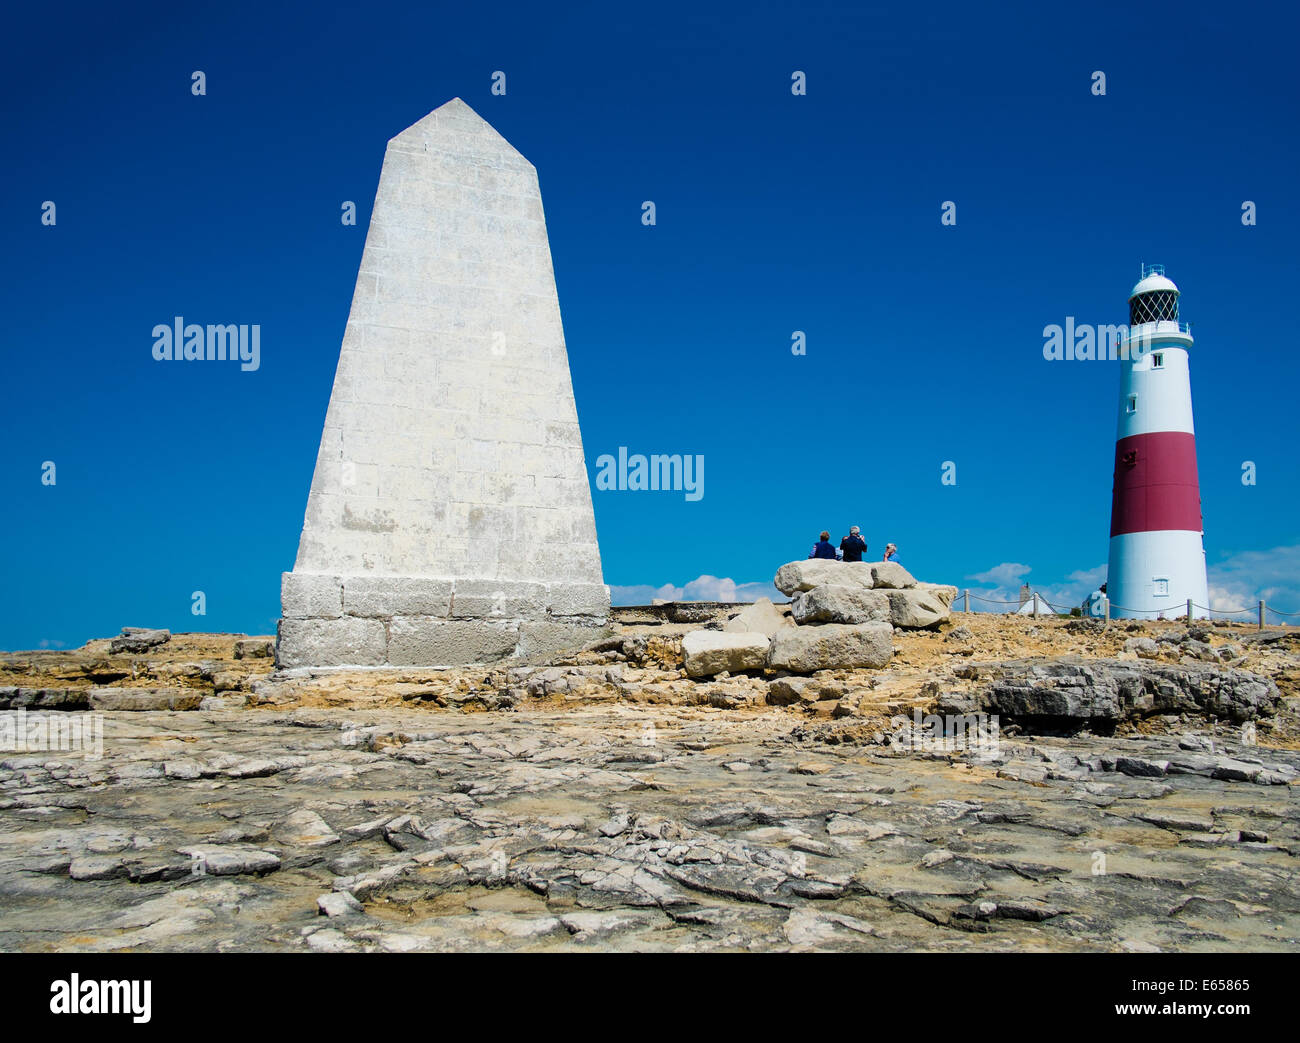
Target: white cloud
<point x="1091" y="578"/>
<point x="1007" y="574"/>
<point x="702" y="588"/>
<point x="1001" y="589"/>
<point x="1239" y="581"/>
<point x="1244" y="578"/>
<point x="641" y="593"/>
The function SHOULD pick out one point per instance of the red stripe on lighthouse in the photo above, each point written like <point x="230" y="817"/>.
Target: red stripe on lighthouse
<point x="1155" y="488"/>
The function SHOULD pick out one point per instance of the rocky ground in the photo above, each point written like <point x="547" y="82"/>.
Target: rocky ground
<point x="1140" y="794"/>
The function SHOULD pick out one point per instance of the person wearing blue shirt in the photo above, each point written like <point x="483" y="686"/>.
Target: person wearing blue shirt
<point x="891" y="554"/>
<point x="823" y="548"/>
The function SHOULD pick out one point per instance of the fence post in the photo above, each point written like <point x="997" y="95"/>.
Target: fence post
<point x="1105" y="605"/>
<point x="967" y="608"/>
<point x="1189" y="610"/>
<point x="1261" y="615"/>
<point x="1035" y="604"/>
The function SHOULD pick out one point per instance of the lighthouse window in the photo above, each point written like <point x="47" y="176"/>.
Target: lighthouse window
<point x="1157" y="361"/>
<point x="1161" y="588"/>
<point x="1132" y="406"/>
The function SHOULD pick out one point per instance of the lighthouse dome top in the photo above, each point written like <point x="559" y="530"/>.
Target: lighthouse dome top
<point x="1153" y="280"/>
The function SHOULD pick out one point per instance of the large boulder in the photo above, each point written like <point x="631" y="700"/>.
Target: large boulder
<point x="1109" y="690"/>
<point x="138" y="639"/>
<point x="890" y="575"/>
<point x="785" y="691"/>
<point x="833" y="603"/>
<point x="255" y="648"/>
<point x="762" y="617"/>
<point x="709" y="652"/>
<point x="1083" y="692"/>
<point x="797" y="576"/>
<point x="945" y="592"/>
<point x="914" y="608"/>
<point x="1143" y="646"/>
<point x="832" y="646"/>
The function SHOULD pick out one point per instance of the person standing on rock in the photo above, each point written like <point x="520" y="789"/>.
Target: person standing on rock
<point x="853" y="546"/>
<point x="822" y="548"/>
<point x="891" y="554"/>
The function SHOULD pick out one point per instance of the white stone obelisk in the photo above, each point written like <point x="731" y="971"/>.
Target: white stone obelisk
<point x="450" y="518"/>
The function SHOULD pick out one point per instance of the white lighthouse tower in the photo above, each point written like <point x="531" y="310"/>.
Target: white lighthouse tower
<point x="1157" y="551"/>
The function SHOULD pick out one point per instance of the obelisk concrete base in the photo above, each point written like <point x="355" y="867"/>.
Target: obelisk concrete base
<point x="394" y="621"/>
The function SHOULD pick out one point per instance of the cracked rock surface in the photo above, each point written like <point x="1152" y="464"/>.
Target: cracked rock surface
<point x="1139" y="794"/>
<point x="617" y="826"/>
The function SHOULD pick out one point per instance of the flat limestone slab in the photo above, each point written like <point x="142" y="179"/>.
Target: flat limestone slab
<point x="143" y="699"/>
<point x="450" y="515"/>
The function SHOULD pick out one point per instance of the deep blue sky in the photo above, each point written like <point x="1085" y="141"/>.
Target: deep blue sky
<point x="775" y="213"/>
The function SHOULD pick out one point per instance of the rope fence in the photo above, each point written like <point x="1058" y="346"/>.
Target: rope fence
<point x="1188" y="609"/>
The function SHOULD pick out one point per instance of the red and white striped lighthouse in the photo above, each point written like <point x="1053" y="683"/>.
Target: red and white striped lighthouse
<point x="1157" y="550"/>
